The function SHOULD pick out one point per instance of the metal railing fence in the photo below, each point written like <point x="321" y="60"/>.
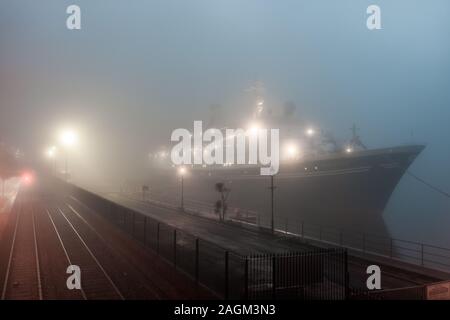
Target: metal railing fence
<point x="414" y="252"/>
<point x="417" y="253"/>
<point x="321" y="274"/>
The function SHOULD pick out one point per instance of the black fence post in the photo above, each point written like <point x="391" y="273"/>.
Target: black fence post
<point x="422" y="255"/>
<point x="145" y="230"/>
<point x="246" y="279"/>
<point x="226" y="275"/>
<point x="347" y="276"/>
<point x="392" y="248"/>
<point x="196" y="259"/>
<point x="303" y="230"/>
<point x="157" y="238"/>
<point x="175" y="248"/>
<point x="274" y="276"/>
<point x="134" y="223"/>
<point x="364" y="243"/>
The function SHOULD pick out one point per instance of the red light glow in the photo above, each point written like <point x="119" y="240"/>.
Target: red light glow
<point x="27" y="178"/>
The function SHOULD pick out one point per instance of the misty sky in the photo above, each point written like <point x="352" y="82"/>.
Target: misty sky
<point x="139" y="69"/>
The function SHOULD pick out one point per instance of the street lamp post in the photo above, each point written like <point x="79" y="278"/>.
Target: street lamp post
<point x="272" y="189"/>
<point x="66" y="166"/>
<point x="54" y="166"/>
<point x="182" y="193"/>
<point x="51" y="154"/>
<point x="68" y="138"/>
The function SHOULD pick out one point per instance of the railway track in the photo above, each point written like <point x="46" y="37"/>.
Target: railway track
<point x="133" y="284"/>
<point x="22" y="279"/>
<point x="45" y="235"/>
<point x="96" y="282"/>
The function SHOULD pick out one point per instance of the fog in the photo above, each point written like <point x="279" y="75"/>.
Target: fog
<point x="139" y="69"/>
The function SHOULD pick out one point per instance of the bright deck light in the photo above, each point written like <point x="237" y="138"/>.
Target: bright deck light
<point x="253" y="128"/>
<point x="310" y="132"/>
<point x="291" y="151"/>
<point x="182" y="171"/>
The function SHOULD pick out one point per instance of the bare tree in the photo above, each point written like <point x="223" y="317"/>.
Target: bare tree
<point x="221" y="205"/>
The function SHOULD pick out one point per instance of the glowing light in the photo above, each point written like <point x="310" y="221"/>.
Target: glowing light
<point x="182" y="171"/>
<point x="310" y="132"/>
<point x="349" y="149"/>
<point x="68" y="138"/>
<point x="163" y="154"/>
<point x="291" y="150"/>
<point x="27" y="178"/>
<point x="253" y="128"/>
<point x="51" y="152"/>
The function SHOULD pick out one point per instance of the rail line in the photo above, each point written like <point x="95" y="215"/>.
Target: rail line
<point x="8" y="268"/>
<point x="157" y="292"/>
<point x="22" y="278"/>
<point x="96" y="278"/>
<point x="64" y="249"/>
<point x="36" y="253"/>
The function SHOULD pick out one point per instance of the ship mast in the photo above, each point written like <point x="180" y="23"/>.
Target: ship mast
<point x="356" y="141"/>
<point x="257" y="88"/>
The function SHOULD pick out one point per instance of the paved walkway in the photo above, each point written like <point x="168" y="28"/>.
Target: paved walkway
<point x="252" y="241"/>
